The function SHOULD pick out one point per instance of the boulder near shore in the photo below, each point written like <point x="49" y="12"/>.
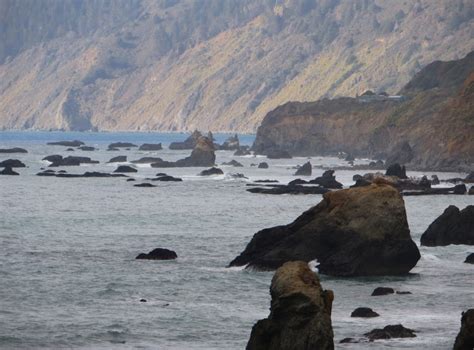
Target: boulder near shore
<point x="300" y="312"/>
<point x="360" y="231"/>
<point x="465" y="338"/>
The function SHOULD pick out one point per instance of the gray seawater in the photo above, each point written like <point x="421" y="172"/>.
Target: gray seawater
<point x="69" y="278"/>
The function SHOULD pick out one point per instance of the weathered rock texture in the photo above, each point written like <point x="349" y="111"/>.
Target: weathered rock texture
<point x="454" y="226"/>
<point x="352" y="232"/>
<point x="220" y="65"/>
<point x="431" y="127"/>
<point x="465" y="338"/>
<point x="300" y="312"/>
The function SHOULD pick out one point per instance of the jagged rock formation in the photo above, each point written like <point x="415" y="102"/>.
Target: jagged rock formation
<point x="353" y="232"/>
<point x="465" y="338"/>
<point x="300" y="312"/>
<point x="454" y="226"/>
<point x="431" y="127"/>
<point x="220" y="65"/>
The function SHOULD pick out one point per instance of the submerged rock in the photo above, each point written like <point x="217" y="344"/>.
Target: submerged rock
<point x="242" y="151"/>
<point x="151" y="147"/>
<point x="288" y="189"/>
<point x="353" y="232"/>
<point x="278" y="154"/>
<point x="158" y="254"/>
<point x="365" y="312"/>
<point x="86" y="148"/>
<point x="125" y="169"/>
<point x="300" y="313"/>
<point x="144" y="185"/>
<point x="454" y="226"/>
<point x="465" y="337"/>
<point x="304" y="170"/>
<point x="118" y="159"/>
<point x="211" y="171"/>
<point x="327" y="180"/>
<point x="13" y="150"/>
<point x="12" y="163"/>
<point x="8" y="171"/>
<point x="75" y="143"/>
<point x="167" y="178"/>
<point x="233" y="163"/>
<point x="391" y="331"/>
<point x="89" y="174"/>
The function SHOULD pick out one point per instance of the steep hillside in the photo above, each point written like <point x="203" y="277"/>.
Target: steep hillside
<point x="435" y="117"/>
<point x="209" y="64"/>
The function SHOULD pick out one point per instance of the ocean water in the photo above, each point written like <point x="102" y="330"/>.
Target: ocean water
<point x="69" y="278"/>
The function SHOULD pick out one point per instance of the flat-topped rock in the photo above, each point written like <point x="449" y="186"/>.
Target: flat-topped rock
<point x="75" y="143"/>
<point x="72" y="161"/>
<point x="353" y="232"/>
<point x="125" y="169"/>
<point x="13" y="150"/>
<point x="12" y="163"/>
<point x="151" y="147"/>
<point x="300" y="312"/>
<point x="390" y="331"/>
<point x="364" y="312"/>
<point x="147" y="160"/>
<point x="121" y="145"/>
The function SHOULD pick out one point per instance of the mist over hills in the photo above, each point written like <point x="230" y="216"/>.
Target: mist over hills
<point x="209" y="64"/>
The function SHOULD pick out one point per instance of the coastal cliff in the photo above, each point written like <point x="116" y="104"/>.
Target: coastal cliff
<point x="432" y="117"/>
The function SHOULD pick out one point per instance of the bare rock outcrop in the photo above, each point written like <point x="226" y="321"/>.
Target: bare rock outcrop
<point x="352" y="232"/>
<point x="300" y="312"/>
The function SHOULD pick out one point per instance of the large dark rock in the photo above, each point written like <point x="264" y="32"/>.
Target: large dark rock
<point x="8" y="171"/>
<point x="288" y="189"/>
<point x="365" y="312"/>
<point x="401" y="153"/>
<point x="145" y="184"/>
<point x="300" y="313"/>
<point x="167" y="178"/>
<point x="305" y="170"/>
<point x="263" y="165"/>
<point x="158" y="254"/>
<point x="147" y="160"/>
<point x="203" y="155"/>
<point x="211" y="171"/>
<point x="470" y="177"/>
<point x="13" y="150"/>
<point x="189" y="143"/>
<point x="452" y="227"/>
<point x="75" y="143"/>
<point x="118" y="159"/>
<point x="231" y="144"/>
<point x="354" y="232"/>
<point x="382" y="291"/>
<point x="278" y="154"/>
<point x="465" y="338"/>
<point x="121" y="145"/>
<point x="12" y="163"/>
<point x="72" y="161"/>
<point x="397" y="170"/>
<point x="125" y="169"/>
<point x="151" y="147"/>
<point x="86" y="148"/>
<point x="391" y="331"/>
<point x="327" y="180"/>
<point x="53" y="158"/>
<point x="469" y="259"/>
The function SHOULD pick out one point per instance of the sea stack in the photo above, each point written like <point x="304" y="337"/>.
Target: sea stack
<point x="360" y="231"/>
<point x="300" y="312"/>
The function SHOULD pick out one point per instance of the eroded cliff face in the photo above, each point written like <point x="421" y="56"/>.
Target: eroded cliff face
<point x="206" y="64"/>
<point x="435" y="117"/>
